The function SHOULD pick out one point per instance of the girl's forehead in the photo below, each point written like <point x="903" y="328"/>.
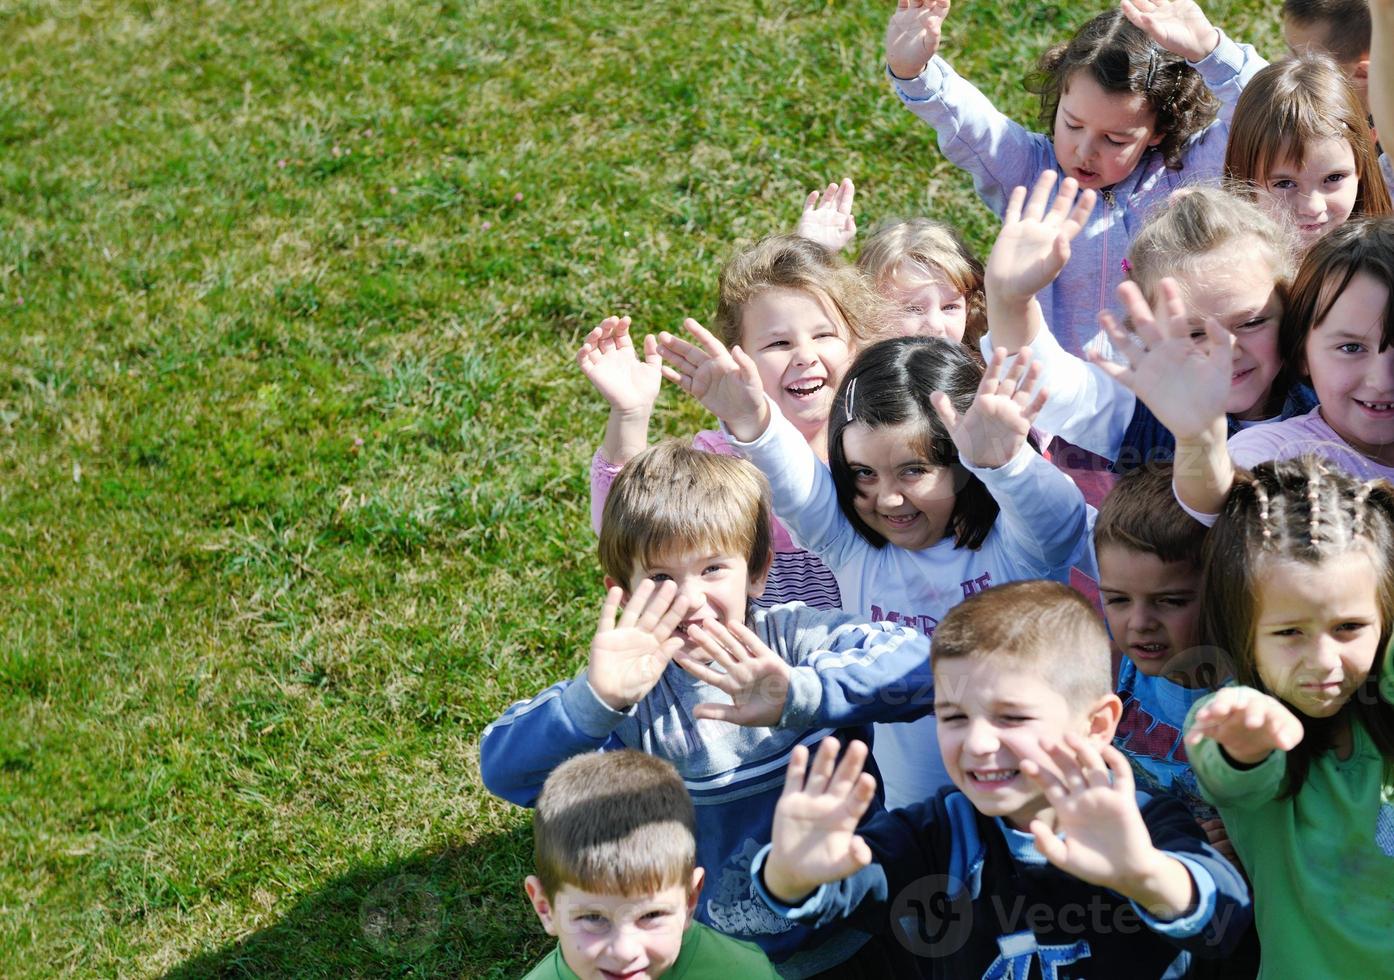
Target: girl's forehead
<point x="1084" y="98"/>
<point x="789" y="307"/>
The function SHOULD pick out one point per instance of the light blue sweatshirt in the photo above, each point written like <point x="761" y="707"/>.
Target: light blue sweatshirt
<point x="1001" y="154"/>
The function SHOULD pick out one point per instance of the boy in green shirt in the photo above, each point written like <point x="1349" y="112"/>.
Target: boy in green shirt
<point x="616" y="850"/>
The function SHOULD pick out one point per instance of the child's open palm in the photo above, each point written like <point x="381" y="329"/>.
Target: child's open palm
<point x="995" y="426"/>
<point x="829" y="222"/>
<point x="1183" y="382"/>
<point x="629" y="655"/>
<point x="1090" y="788"/>
<point x="1034" y="243"/>
<point x="912" y="37"/>
<point x="755" y="677"/>
<point x="609" y="362"/>
<point x="1180" y="26"/>
<point x="1248" y="724"/>
<point x="725" y="381"/>
<point x="815" y="839"/>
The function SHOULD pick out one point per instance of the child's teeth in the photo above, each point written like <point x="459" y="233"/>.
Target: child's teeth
<point x="997" y="777"/>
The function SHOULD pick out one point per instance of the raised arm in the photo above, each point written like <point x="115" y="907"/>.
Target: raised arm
<point x="1031" y="250"/>
<point x="1184" y="383"/>
<point x="629" y="386"/>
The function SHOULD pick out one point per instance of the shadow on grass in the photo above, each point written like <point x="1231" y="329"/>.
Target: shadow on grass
<point x="459" y="912"/>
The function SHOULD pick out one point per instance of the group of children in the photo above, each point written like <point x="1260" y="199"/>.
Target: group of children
<point x="1020" y="619"/>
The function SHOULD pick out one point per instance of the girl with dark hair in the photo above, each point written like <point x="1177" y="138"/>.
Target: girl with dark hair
<point x="1131" y="103"/>
<point x="1298" y="588"/>
<point x="932" y="490"/>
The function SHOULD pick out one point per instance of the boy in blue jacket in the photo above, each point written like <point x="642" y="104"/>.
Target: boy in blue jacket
<point x="1042" y="859"/>
<point x="691" y="672"/>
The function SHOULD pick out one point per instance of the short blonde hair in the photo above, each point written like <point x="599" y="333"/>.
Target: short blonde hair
<point x="1198" y="222"/>
<point x="792" y="262"/>
<point x="672" y="498"/>
<point x="614" y="823"/>
<point x="911" y="252"/>
<point x="1045" y="626"/>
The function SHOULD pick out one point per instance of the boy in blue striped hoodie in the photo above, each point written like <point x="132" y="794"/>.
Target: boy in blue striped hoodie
<point x="688" y="670"/>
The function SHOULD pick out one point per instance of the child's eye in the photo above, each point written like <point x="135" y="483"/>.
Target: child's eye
<point x="660" y="576"/>
<point x="593" y="922"/>
<point x="1176" y="602"/>
<point x="774" y="344"/>
<point x="1350" y="627"/>
<point x="1283" y="184"/>
<point x="1288" y="631"/>
<point x="1114" y="142"/>
<point x="1015" y="719"/>
<point x="1351" y="348"/>
<point x="1115" y="600"/>
<point x="862" y="473"/>
<point x="655" y="917"/>
<point x="949" y="718"/>
<point x="1336" y="178"/>
<point x="956" y="305"/>
<point x="914" y="310"/>
<point x="713" y="568"/>
<point x="1257" y="321"/>
<point x="1072" y="127"/>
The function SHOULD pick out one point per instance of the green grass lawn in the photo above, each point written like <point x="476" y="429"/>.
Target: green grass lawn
<point x="293" y="479"/>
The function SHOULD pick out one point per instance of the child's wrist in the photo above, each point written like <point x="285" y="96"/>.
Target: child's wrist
<point x="784" y="888"/>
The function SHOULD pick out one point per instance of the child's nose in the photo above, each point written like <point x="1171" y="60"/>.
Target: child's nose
<point x="1312" y="204"/>
<point x="889" y="495"/>
<point x="982" y="737"/>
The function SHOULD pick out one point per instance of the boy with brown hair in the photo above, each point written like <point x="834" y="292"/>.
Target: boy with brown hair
<point x="685" y="545"/>
<point x="1340" y="28"/>
<point x="1148" y="552"/>
<point x="1041" y="858"/>
<point x="614" y="844"/>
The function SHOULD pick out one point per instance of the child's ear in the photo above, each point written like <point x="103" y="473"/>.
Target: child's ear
<point x="758" y="579"/>
<point x="1103" y="718"/>
<point x="533" y="886"/>
<point x="1156" y="138"/>
<point x="694" y="891"/>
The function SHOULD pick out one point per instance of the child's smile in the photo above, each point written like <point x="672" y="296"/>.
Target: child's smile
<point x="900" y="494"/>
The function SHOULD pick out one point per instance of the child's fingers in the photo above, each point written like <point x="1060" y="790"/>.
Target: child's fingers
<point x="704" y="673"/>
<point x="651" y="355"/>
<point x="1095" y="771"/>
<point x="683" y="381"/>
<point x="660" y="602"/>
<point x="1040" y="192"/>
<point x="1013" y="213"/>
<point x="1079" y="215"/>
<point x="859" y="850"/>
<point x="845" y="193"/>
<point x="1124" y="376"/>
<point x="824" y="762"/>
<point x="613" y="597"/>
<point x="734" y="649"/>
<point x="811" y="202"/>
<point x="713" y="647"/>
<point x="1221" y="340"/>
<point x="710" y="344"/>
<point x="1172" y="322"/>
<point x="794" y="772"/>
<point x="749" y="371"/>
<point x="849" y="768"/>
<point x="748" y="639"/>
<point x="944" y="408"/>
<point x="1119" y="769"/>
<point x="712" y="711"/>
<point x="1052" y="848"/>
<point x="679" y="352"/>
<point x="672" y="616"/>
<point x="637" y="600"/>
<point x="1068" y="763"/>
<point x="1064" y="199"/>
<point x="1015" y="377"/>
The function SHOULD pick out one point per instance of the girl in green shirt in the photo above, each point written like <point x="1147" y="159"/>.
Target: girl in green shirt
<point x="1299" y="588"/>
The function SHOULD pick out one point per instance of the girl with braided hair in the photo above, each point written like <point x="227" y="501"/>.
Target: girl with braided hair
<point x="1298" y="589"/>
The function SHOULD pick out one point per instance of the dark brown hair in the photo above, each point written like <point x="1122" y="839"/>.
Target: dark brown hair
<point x="1298" y="510"/>
<point x="1123" y="59"/>
<point x="614" y="823"/>
<point x="1044" y="625"/>
<point x="1362" y="245"/>
<point x="1141" y="514"/>
<point x="1347" y="24"/>
<point x="1286" y="108"/>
